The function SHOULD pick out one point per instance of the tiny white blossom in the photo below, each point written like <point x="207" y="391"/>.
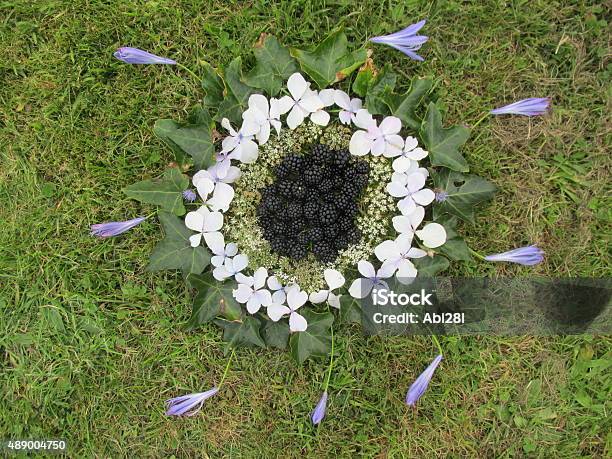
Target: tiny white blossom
<point x="240" y="145"/>
<point x="361" y="287"/>
<point x="410" y="188"/>
<point x="251" y="290"/>
<point x="205" y="222"/>
<point x="378" y="140"/>
<point x="301" y="103"/>
<point x="334" y="281"/>
<point x="349" y="106"/>
<point x="295" y="300"/>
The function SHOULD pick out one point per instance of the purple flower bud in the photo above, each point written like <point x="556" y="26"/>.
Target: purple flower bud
<point x="109" y="229"/>
<point x="528" y="107"/>
<point x="527" y="256"/>
<point x="405" y="40"/>
<point x="189" y="195"/>
<point x="318" y="413"/>
<point x="138" y="56"/>
<point x="188" y="405"/>
<point x="419" y="386"/>
<point x="441" y="196"/>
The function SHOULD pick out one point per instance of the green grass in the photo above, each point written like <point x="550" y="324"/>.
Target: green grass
<point x="91" y="345"/>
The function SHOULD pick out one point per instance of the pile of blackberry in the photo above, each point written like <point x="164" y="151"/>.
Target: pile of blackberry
<point x="312" y="204"/>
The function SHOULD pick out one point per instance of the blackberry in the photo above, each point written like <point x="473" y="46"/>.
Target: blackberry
<point x="297" y="252"/>
<point x="303" y="238"/>
<point x="330" y="232"/>
<point x="327" y="214"/>
<point x="315" y="234"/>
<point x="293" y="210"/>
<point x="342" y="158"/>
<point x="362" y="168"/>
<point x="354" y="235"/>
<point x="343" y="201"/>
<point x="310" y="209"/>
<point x="285" y="189"/>
<point x="341" y="243"/>
<point x="344" y="224"/>
<point x="298" y="190"/>
<point x="326" y="185"/>
<point x="313" y="175"/>
<point x="293" y="163"/>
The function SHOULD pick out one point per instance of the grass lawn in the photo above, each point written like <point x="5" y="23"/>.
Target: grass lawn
<point x="91" y="345"/>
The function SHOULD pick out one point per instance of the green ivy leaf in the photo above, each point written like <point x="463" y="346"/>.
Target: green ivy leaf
<point x="213" y="299"/>
<point x="276" y="334"/>
<point x="174" y="251"/>
<point x="365" y="77"/>
<point x="455" y="247"/>
<point x="380" y="91"/>
<point x="350" y="310"/>
<point x="430" y="266"/>
<point x="443" y="144"/>
<point x="236" y="93"/>
<point x="213" y="87"/>
<point x="329" y="61"/>
<point x="464" y="192"/>
<point x="316" y="340"/>
<point x="193" y="140"/>
<point x="245" y="333"/>
<point x="165" y="192"/>
<point x="404" y="106"/>
<point x="273" y="66"/>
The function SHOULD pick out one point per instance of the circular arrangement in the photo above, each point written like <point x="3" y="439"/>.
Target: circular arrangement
<point x="312" y="204"/>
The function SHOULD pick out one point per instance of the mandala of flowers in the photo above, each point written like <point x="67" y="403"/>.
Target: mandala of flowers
<point x="312" y="182"/>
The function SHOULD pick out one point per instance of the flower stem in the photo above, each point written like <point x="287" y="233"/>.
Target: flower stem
<point x="188" y="70"/>
<point x="481" y="119"/>
<point x="331" y="362"/>
<point x="476" y="254"/>
<point x="435" y="340"/>
<point x="226" y="369"/>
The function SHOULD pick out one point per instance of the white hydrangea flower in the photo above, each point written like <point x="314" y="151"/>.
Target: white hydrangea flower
<point x="231" y="267"/>
<point x="218" y="173"/>
<point x="263" y="114"/>
<point x="205" y="222"/>
<point x="410" y="188"/>
<point x="295" y="300"/>
<point x="279" y="292"/>
<point x="361" y="287"/>
<point x="433" y="235"/>
<point x="409" y="223"/>
<point x="396" y="256"/>
<point x="240" y="145"/>
<point x="349" y="106"/>
<point x="222" y="193"/>
<point x="408" y="157"/>
<point x="334" y="281"/>
<point x="301" y="103"/>
<point x="220" y="250"/>
<point x="321" y="117"/>
<point x="378" y="140"/>
<point x="251" y="290"/>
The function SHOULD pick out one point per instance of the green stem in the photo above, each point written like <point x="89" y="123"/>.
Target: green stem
<point x="226" y="369"/>
<point x="480" y="120"/>
<point x="331" y="362"/>
<point x="435" y="340"/>
<point x="476" y="254"/>
<point x="188" y="70"/>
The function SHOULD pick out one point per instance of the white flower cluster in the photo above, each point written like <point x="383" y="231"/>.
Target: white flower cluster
<point x="407" y="184"/>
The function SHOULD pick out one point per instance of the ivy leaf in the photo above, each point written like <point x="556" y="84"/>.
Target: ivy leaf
<point x="430" y="266"/>
<point x="316" y="340"/>
<point x="365" y="77"/>
<point x="329" y="61"/>
<point x="244" y="333"/>
<point x="174" y="251"/>
<point x="405" y="106"/>
<point x="463" y="192"/>
<point x="236" y="93"/>
<point x="380" y="91"/>
<point x="274" y="65"/>
<point x="213" y="299"/>
<point x="213" y="87"/>
<point x="194" y="140"/>
<point x="350" y="310"/>
<point x="276" y="334"/>
<point x="443" y="144"/>
<point x="455" y="247"/>
<point x="165" y="192"/>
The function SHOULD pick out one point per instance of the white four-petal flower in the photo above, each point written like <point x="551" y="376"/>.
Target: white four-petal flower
<point x="334" y="280"/>
<point x="409" y="223"/>
<point x="240" y="145"/>
<point x="264" y="115"/>
<point x="205" y="222"/>
<point x="222" y="193"/>
<point x="251" y="290"/>
<point x="295" y="300"/>
<point x="396" y="255"/>
<point x="231" y="267"/>
<point x="406" y="159"/>
<point x="301" y="103"/>
<point x="220" y="250"/>
<point x="349" y="106"/>
<point x="410" y="188"/>
<point x="378" y="140"/>
<point x="321" y="117"/>
<point x="361" y="287"/>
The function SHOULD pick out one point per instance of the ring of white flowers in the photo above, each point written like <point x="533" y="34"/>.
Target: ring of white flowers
<point x="407" y="184"/>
